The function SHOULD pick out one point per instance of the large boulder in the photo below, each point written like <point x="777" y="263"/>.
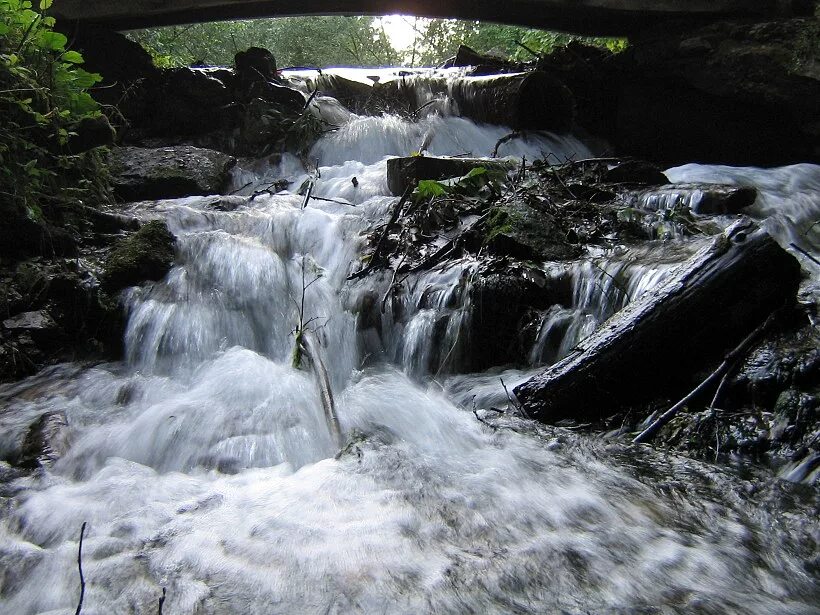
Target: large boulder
<point x="148" y="254"/>
<point x="187" y="102"/>
<point x="168" y="172"/>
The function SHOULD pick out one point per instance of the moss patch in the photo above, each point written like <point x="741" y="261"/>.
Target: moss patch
<point x="148" y="254"/>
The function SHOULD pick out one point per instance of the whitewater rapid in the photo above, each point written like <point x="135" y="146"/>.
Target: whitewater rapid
<point x="202" y="463"/>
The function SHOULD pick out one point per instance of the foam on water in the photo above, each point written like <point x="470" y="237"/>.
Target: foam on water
<point x="204" y="464"/>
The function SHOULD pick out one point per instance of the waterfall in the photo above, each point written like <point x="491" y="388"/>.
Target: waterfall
<point x="203" y="463"/>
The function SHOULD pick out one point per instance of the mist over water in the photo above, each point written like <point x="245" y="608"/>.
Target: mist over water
<point x="203" y="463"/>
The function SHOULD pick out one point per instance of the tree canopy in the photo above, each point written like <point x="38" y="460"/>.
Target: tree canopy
<point x="346" y="41"/>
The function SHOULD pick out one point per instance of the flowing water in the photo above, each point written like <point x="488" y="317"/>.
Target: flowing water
<point x="203" y="463"/>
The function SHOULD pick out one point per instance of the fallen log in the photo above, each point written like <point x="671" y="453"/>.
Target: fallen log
<point x="653" y="347"/>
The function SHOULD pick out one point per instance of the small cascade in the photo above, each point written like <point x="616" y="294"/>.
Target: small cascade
<point x="205" y="464"/>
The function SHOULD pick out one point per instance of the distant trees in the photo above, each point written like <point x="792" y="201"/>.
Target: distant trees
<point x="294" y="41"/>
<point x="346" y="41"/>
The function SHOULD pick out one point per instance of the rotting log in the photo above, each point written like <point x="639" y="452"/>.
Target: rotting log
<point x="409" y="170"/>
<point x="655" y="345"/>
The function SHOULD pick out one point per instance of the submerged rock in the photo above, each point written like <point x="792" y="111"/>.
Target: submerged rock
<point x="148" y="254"/>
<point x="168" y="172"/>
<point x="704" y="199"/>
<point x="46" y="441"/>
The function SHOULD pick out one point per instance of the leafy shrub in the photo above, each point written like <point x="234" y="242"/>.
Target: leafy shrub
<point x="44" y="95"/>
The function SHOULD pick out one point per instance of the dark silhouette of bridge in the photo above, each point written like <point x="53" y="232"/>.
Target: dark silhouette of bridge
<point x="601" y="17"/>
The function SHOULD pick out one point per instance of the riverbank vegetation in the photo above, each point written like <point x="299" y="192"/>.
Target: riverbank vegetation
<point x="44" y="100"/>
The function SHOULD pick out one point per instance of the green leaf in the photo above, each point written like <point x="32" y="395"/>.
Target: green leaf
<point x="52" y="40"/>
<point x="429" y="188"/>
<point x="45" y="4"/>
<point x="4" y="29"/>
<point x="73" y="57"/>
<point x="83" y="79"/>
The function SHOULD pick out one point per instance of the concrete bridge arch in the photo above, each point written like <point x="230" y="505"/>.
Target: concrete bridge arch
<point x="600" y="17"/>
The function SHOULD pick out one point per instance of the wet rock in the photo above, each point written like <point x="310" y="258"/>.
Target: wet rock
<point x="518" y="230"/>
<point x="109" y="221"/>
<point x="253" y="65"/>
<point x="39" y="321"/>
<point x="502" y="299"/>
<point x="186" y="102"/>
<point x="788" y="359"/>
<point x="635" y="172"/>
<point x="91" y="132"/>
<point x="46" y="441"/>
<point x="522" y="101"/>
<point x="168" y="172"/>
<point x="734" y="93"/>
<point x="404" y="172"/>
<point x="354" y="95"/>
<point x="121" y="62"/>
<point x="481" y="64"/>
<point x="148" y="254"/>
<point x="704" y="199"/>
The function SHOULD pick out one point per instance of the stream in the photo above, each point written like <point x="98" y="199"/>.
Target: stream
<point x="202" y="463"/>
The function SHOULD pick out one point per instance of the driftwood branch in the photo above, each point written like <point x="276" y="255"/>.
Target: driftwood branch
<point x="80" y="568"/>
<point x="730" y="360"/>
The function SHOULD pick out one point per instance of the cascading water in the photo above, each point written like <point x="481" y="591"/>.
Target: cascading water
<point x="204" y="463"/>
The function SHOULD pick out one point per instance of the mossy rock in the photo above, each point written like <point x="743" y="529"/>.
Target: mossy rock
<point x="148" y="254"/>
<point x="520" y="231"/>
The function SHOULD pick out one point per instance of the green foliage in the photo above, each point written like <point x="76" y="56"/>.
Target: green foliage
<point x="478" y="183"/>
<point x="294" y="41"/>
<point x="439" y="39"/>
<point x="43" y="95"/>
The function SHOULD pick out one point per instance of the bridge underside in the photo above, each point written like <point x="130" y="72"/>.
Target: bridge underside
<point x="599" y="17"/>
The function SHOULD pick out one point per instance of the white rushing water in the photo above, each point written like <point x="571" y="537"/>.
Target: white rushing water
<point x="203" y="463"/>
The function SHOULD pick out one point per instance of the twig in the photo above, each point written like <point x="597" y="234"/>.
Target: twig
<point x="480" y="420"/>
<point x="392" y="280"/>
<point x="424" y="106"/>
<point x="513" y="401"/>
<point x="245" y="186"/>
<point x="509" y="137"/>
<point x="309" y="191"/>
<point x="321" y="198"/>
<point x="310" y="99"/>
<point x="524" y="47"/>
<point x="733" y="357"/>
<point x="375" y="256"/>
<point x="80" y="567"/>
<point x="161" y="602"/>
<point x="804" y="253"/>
